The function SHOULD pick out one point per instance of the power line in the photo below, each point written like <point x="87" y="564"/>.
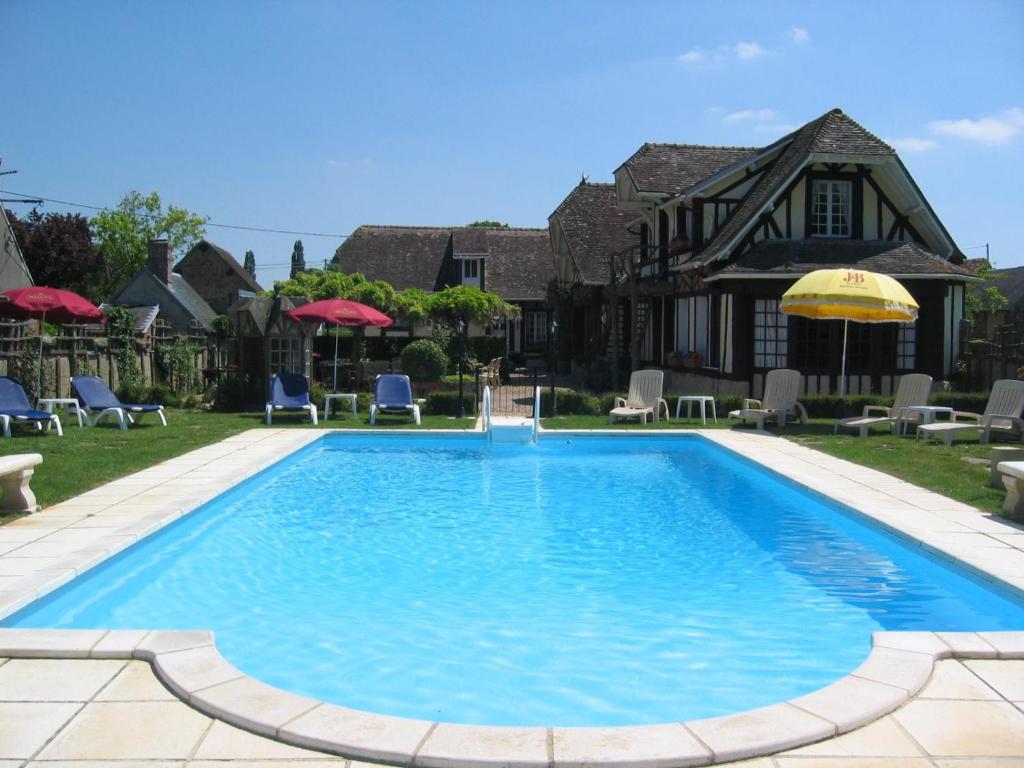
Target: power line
<point x="152" y="216"/>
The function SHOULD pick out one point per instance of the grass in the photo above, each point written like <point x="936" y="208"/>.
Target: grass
<point x="87" y="457"/>
<point x="931" y="465"/>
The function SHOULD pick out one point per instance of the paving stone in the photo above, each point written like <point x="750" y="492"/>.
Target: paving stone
<point x="1010" y="645"/>
<point x="952" y="680"/>
<point x="185" y="672"/>
<point x="882" y="738"/>
<point x="55" y="679"/>
<point x="965" y="728"/>
<point x="968" y="645"/>
<point x="118" y="644"/>
<point x="760" y="731"/>
<point x="25" y="727"/>
<point x="136" y="682"/>
<point x="853" y="762"/>
<point x="448" y="744"/>
<point x="655" y="745"/>
<point x="1007" y="679"/>
<point x="129" y="731"/>
<point x="225" y="742"/>
<point x="42" y="643"/>
<point x="366" y="736"/>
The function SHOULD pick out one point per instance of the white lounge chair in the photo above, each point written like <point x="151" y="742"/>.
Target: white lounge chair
<point x="1002" y="416"/>
<point x="644" y="398"/>
<point x="914" y="389"/>
<point x="781" y="389"/>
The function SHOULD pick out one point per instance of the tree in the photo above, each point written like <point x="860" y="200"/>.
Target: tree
<point x="467" y="303"/>
<point x="489" y="223"/>
<point x="250" y="264"/>
<point x="298" y="260"/>
<point x="122" y="234"/>
<point x="984" y="299"/>
<point x="59" y="252"/>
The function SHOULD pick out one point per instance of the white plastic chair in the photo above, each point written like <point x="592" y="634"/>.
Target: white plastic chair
<point x="913" y="389"/>
<point x="781" y="390"/>
<point x="1002" y="416"/>
<point x="644" y="398"/>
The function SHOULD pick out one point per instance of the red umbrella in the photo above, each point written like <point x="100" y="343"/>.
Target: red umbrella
<point x="351" y="314"/>
<point x="38" y="301"/>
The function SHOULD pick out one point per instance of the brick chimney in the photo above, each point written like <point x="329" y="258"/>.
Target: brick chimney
<point x="161" y="260"/>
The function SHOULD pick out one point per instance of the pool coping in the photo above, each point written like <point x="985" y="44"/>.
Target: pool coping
<point x="189" y="663"/>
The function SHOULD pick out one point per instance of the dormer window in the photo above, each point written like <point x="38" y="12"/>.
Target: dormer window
<point x="470" y="269"/>
<point x="830" y="208"/>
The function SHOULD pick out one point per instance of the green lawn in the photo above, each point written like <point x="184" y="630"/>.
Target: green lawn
<point x="85" y="458"/>
<point x="930" y="465"/>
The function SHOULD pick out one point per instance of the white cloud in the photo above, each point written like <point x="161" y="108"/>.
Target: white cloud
<point x="776" y="129"/>
<point x="695" y="56"/>
<point x="912" y="144"/>
<point x="744" y="115"/>
<point x="723" y="53"/>
<point x="995" y="130"/>
<point x="746" y="51"/>
<point x="799" y="35"/>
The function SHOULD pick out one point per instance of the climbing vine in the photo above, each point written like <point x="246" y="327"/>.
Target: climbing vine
<point x="121" y="332"/>
<point x="179" y="359"/>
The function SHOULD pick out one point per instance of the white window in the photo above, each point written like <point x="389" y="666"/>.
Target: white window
<point x="285" y="354"/>
<point x="471" y="272"/>
<point x="830" y="208"/>
<point x="906" y="347"/>
<point x="771" y="334"/>
<point x="692" y="325"/>
<point x="536" y="327"/>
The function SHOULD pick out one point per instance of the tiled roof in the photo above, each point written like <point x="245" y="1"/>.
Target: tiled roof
<point x="264" y="310"/>
<point x="798" y="257"/>
<point x="833" y="132"/>
<point x="406" y="257"/>
<point x="670" y="169"/>
<point x="594" y="228"/>
<point x="144" y="316"/>
<point x="519" y="263"/>
<point x="190" y="300"/>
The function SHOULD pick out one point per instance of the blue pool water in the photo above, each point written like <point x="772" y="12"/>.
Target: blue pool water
<point x="585" y="581"/>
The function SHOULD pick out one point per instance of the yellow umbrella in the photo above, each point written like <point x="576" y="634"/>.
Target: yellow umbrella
<point x="849" y="294"/>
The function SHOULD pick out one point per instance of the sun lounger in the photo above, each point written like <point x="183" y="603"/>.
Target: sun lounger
<point x="98" y="401"/>
<point x="914" y="389"/>
<point x="644" y="398"/>
<point x="289" y="392"/>
<point x="15" y="406"/>
<point x="393" y="394"/>
<point x="1002" y="416"/>
<point x="779" y="402"/>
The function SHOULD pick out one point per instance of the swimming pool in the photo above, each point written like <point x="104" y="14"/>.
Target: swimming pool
<point x="587" y="581"/>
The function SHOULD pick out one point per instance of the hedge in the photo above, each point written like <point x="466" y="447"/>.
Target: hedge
<point x="445" y="403"/>
<point x="570" y="403"/>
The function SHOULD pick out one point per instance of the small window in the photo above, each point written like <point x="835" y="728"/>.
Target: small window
<point x="771" y="334"/>
<point x="285" y="354"/>
<point x="830" y="208"/>
<point x="906" y="347"/>
<point x="471" y="268"/>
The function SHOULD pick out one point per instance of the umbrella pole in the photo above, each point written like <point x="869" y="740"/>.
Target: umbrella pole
<point x="842" y="376"/>
<point x="39" y="378"/>
<point x="335" y="359"/>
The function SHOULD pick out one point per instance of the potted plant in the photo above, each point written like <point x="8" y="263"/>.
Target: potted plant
<point x="693" y="360"/>
<point x="676" y="361"/>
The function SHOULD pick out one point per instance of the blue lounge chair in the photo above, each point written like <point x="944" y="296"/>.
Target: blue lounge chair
<point x="97" y="402"/>
<point x="289" y="392"/>
<point x="15" y="406"/>
<point x="393" y="394"/>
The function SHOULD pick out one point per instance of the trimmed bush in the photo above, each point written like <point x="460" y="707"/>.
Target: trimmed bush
<point x="974" y="402"/>
<point x="446" y="403"/>
<point x="424" y="360"/>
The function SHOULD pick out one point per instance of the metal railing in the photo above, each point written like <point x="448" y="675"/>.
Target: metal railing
<point x="486" y="411"/>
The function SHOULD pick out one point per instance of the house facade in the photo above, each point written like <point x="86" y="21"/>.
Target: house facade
<point x="717" y="235"/>
<point x="13" y="270"/>
<point x="514" y="263"/>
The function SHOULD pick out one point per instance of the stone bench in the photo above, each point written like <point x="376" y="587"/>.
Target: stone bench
<point x="15" y="473"/>
<point x="1013" y="479"/>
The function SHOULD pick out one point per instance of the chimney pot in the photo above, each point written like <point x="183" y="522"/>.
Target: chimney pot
<point x="161" y="261"/>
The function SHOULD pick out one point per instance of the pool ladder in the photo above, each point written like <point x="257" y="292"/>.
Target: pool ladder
<point x="510" y="429"/>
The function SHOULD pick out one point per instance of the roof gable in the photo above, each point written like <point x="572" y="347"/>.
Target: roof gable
<point x="594" y="227"/>
<point x="208" y="262"/>
<point x="671" y="169"/>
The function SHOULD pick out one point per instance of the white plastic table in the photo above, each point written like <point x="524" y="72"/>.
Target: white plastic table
<point x="700" y="400"/>
<point x="350" y="396"/>
<point x="47" y="404"/>
<point x="928" y="413"/>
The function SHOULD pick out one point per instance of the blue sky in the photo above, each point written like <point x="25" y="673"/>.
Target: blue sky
<point x="320" y="116"/>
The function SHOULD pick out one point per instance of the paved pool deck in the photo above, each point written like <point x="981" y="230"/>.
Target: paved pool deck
<point x="919" y="699"/>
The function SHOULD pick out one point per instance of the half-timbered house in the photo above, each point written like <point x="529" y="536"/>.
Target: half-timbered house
<point x="719" y="233"/>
